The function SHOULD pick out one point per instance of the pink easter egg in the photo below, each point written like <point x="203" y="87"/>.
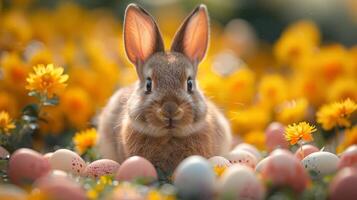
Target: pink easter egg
<point x="284" y="169"/>
<point x="343" y="185"/>
<point x="101" y="167"/>
<point x="305" y="150"/>
<point x="61" y="187"/>
<point x="240" y="182"/>
<point x="261" y="164"/>
<point x="135" y="167"/>
<point x="242" y="157"/>
<point x="349" y="157"/>
<point x="275" y="137"/>
<point x="250" y="148"/>
<point x="26" y="165"/>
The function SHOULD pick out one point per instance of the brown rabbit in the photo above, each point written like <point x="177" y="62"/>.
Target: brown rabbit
<point x="164" y="116"/>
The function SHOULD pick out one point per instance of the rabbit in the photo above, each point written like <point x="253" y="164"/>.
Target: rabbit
<point x="163" y="117"/>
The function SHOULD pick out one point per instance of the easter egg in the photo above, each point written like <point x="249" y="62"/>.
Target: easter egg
<point x="343" y="185"/>
<point x="219" y="161"/>
<point x="27" y="165"/>
<point x="240" y="182"/>
<point x="261" y="164"/>
<point x="284" y="169"/>
<point x="275" y="137"/>
<point x="320" y="163"/>
<point x="11" y="192"/>
<point x="48" y="155"/>
<point x="57" y="186"/>
<point x="250" y="148"/>
<point x="101" y="167"/>
<point x="194" y="178"/>
<point x="348" y="157"/>
<point x="136" y="167"/>
<point x="242" y="157"/>
<point x="305" y="150"/>
<point x="3" y="153"/>
<point x="68" y="161"/>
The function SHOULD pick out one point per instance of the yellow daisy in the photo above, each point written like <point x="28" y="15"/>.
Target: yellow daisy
<point x="296" y="132"/>
<point x="336" y="114"/>
<point x="84" y="140"/>
<point x="6" y="123"/>
<point x="47" y="80"/>
<point x="350" y="138"/>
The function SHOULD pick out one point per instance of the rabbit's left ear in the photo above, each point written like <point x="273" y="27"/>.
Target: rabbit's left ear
<point x="192" y="37"/>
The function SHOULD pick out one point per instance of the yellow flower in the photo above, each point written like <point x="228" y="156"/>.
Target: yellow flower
<point x="47" y="80"/>
<point x="296" y="132"/>
<point x="157" y="195"/>
<point x="350" y="138"/>
<point x="336" y="114"/>
<point x="6" y="123"/>
<point x="255" y="138"/>
<point x="272" y="90"/>
<point x="84" y="140"/>
<point x="343" y="88"/>
<point x="298" y="40"/>
<point x="218" y="170"/>
<point x="292" y="111"/>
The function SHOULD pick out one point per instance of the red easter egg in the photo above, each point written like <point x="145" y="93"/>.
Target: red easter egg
<point x="26" y="165"/>
<point x="284" y="169"/>
<point x="349" y="158"/>
<point x="61" y="187"/>
<point x="343" y="185"/>
<point x="275" y="137"/>
<point x="305" y="150"/>
<point x="135" y="167"/>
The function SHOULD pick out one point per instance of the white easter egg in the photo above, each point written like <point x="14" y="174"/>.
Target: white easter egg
<point x="219" y="161"/>
<point x="68" y="161"/>
<point x="242" y="157"/>
<point x="261" y="164"/>
<point x="101" y="167"/>
<point x="320" y="163"/>
<point x="240" y="182"/>
<point x="194" y="178"/>
<point x="250" y="148"/>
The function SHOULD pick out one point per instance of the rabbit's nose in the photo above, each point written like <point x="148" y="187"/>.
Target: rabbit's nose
<point x="171" y="110"/>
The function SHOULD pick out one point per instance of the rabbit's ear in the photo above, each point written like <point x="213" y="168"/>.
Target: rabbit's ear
<point x="192" y="37"/>
<point x="142" y="37"/>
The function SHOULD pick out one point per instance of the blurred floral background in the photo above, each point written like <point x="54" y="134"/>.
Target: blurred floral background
<point x="268" y="60"/>
<point x="286" y="61"/>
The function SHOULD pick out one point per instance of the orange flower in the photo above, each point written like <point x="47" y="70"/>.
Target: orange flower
<point x="6" y="123"/>
<point x="296" y="132"/>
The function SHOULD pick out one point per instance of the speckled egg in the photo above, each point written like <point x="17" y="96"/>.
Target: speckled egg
<point x="343" y="185"/>
<point x="320" y="163"/>
<point x="3" y="152"/>
<point x="240" y="182"/>
<point x="27" y="165"/>
<point x="284" y="169"/>
<point x="11" y="192"/>
<point x="68" y="161"/>
<point x="136" y="167"/>
<point x="242" y="157"/>
<point x="101" y="167"/>
<point x="219" y="161"/>
<point x="194" y="178"/>
<point x="275" y="137"/>
<point x="348" y="158"/>
<point x="250" y="148"/>
<point x="58" y="186"/>
<point x="305" y="150"/>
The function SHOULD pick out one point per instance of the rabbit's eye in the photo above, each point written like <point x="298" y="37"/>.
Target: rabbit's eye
<point x="148" y="85"/>
<point x="189" y="84"/>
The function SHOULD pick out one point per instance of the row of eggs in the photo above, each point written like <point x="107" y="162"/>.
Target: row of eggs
<point x="195" y="175"/>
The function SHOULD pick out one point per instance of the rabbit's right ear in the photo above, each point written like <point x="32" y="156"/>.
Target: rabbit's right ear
<point x="142" y="37"/>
